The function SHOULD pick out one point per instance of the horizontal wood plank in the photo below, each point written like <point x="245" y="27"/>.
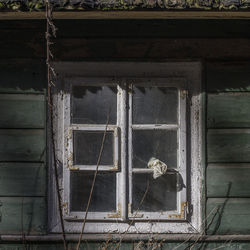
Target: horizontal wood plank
<point x="228" y="110"/>
<point x="228" y="180"/>
<point x="228" y="76"/>
<point x="22" y="179"/>
<point x="26" y="30"/>
<point x="140" y="14"/>
<point x="228" y="215"/>
<point x="27" y="215"/>
<point x="79" y="49"/>
<point x="228" y="145"/>
<point x="22" y="145"/>
<point x="227" y="245"/>
<point x="22" y="111"/>
<point x="143" y="28"/>
<point x="130" y="48"/>
<point x="34" y="48"/>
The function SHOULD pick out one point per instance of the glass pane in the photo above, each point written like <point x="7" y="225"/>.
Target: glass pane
<point x="160" y="144"/>
<point x="87" y="145"/>
<point x="91" y="105"/>
<point x="155" y="105"/>
<point x="104" y="194"/>
<point x="154" y="195"/>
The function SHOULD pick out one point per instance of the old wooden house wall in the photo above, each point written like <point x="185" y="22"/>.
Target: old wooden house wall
<point x="222" y="46"/>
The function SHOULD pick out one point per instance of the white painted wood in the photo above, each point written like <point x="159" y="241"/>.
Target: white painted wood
<point x="126" y="237"/>
<point x="70" y="149"/>
<point x="150" y="171"/>
<point x="68" y="164"/>
<point x="191" y="72"/>
<point x="155" y="126"/>
<point x="180" y="84"/>
<point x="122" y="123"/>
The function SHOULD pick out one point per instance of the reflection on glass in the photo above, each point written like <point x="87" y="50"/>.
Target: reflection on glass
<point x="104" y="194"/>
<point x="92" y="104"/>
<point x="159" y="194"/>
<point x="87" y="144"/>
<point x="161" y="144"/>
<point x="155" y="105"/>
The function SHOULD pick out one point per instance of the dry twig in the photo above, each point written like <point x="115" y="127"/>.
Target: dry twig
<point x="93" y="183"/>
<point x="51" y="28"/>
<point x="132" y="221"/>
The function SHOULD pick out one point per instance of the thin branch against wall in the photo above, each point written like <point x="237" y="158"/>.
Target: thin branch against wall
<point x="133" y="220"/>
<point x="93" y="182"/>
<point x="51" y="33"/>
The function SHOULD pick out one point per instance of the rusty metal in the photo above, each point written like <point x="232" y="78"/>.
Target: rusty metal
<point x="182" y="215"/>
<point x="118" y="214"/>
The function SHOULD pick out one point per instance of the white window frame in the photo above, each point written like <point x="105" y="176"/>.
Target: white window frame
<point x="68" y="150"/>
<point x="188" y="74"/>
<point x="180" y="84"/>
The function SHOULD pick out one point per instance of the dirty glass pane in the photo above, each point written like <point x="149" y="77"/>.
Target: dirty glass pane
<point x="155" y="105"/>
<point x="87" y="144"/>
<point x="160" y="144"/>
<point x="91" y="104"/>
<point x="104" y="194"/>
<point x="160" y="194"/>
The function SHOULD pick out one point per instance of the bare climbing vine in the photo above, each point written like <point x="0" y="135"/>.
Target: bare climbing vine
<point x="51" y="75"/>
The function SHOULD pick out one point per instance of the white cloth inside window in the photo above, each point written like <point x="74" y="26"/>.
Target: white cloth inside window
<point x="159" y="167"/>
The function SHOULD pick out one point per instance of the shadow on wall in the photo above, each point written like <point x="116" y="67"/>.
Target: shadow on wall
<point x="228" y="76"/>
<point x="23" y="75"/>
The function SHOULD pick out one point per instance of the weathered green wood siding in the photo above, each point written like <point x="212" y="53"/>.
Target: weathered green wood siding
<point x="22" y="145"/>
<point x="23" y="114"/>
<point x="228" y="180"/>
<point x="228" y="148"/>
<point x="22" y="111"/>
<point x="228" y="145"/>
<point x="229" y="110"/>
<point x="229" y="215"/>
<point x="23" y="215"/>
<point x="23" y="205"/>
<point x="22" y="179"/>
<point x="23" y="175"/>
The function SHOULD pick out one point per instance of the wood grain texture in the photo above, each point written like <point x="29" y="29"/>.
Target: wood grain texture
<point x="22" y="111"/>
<point x="228" y="145"/>
<point x="228" y="110"/>
<point x="22" y="179"/>
<point x="117" y="48"/>
<point x="228" y="215"/>
<point x="22" y="214"/>
<point x="228" y="180"/>
<point x="22" y="145"/>
<point x="126" y="48"/>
